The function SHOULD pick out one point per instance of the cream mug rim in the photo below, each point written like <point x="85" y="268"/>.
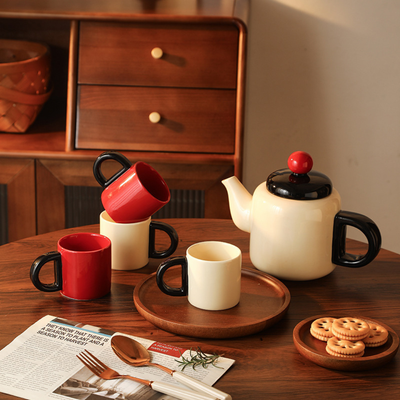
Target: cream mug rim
<point x="236" y="252"/>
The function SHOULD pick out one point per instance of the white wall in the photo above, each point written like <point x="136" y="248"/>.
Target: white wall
<point x="324" y="77"/>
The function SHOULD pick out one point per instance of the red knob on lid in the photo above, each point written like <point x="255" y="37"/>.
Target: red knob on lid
<point x="300" y="162"/>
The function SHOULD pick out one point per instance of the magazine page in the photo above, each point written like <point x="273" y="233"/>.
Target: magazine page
<point x="42" y="363"/>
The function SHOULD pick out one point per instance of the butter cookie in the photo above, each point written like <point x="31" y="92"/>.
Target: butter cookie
<point x="377" y="336"/>
<point x="321" y="328"/>
<point x="345" y="348"/>
<point x="348" y="328"/>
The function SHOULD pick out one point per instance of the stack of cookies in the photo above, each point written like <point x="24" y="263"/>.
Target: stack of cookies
<point x="348" y="337"/>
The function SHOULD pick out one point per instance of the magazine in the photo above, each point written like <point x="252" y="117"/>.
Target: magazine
<point x="42" y="363"/>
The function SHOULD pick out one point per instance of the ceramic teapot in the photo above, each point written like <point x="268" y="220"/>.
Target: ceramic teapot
<point x="296" y="225"/>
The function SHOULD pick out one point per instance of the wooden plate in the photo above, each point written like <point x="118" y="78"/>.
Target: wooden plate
<point x="314" y="349"/>
<point x="264" y="300"/>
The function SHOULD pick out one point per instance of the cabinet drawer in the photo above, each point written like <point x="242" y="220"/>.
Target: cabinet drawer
<point x="194" y="55"/>
<point x="192" y="120"/>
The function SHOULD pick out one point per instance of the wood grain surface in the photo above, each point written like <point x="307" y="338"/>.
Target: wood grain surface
<point x="267" y="363"/>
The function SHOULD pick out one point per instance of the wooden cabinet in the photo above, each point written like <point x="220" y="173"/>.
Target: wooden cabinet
<point x="163" y="84"/>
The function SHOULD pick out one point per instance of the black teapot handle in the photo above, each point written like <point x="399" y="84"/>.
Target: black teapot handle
<point x="110" y="155"/>
<point x="367" y="227"/>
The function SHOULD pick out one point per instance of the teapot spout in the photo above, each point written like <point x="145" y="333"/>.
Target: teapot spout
<point x="239" y="203"/>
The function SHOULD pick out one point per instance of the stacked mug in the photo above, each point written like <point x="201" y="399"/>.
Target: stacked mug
<point x="130" y="198"/>
<point x="83" y="261"/>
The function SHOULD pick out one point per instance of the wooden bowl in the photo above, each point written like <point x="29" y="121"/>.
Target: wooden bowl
<point x="314" y="349"/>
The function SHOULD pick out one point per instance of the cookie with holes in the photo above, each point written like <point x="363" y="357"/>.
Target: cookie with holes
<point x="321" y="328"/>
<point x="348" y="328"/>
<point x="378" y="336"/>
<point x="345" y="348"/>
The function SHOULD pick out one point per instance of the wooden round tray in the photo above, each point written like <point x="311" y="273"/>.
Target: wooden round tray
<point x="314" y="349"/>
<point x="264" y="300"/>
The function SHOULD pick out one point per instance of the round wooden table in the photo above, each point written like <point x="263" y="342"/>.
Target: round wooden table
<point x="268" y="365"/>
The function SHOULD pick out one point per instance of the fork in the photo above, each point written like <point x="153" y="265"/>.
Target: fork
<point x="105" y="372"/>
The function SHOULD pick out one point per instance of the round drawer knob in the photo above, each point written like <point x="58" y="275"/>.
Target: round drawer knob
<point x="154" y="117"/>
<point x="157" y="52"/>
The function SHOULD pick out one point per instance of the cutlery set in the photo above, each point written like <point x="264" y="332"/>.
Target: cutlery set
<point x="202" y="391"/>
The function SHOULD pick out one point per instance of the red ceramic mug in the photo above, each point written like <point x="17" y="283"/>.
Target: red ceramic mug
<point x="82" y="267"/>
<point x="134" y="193"/>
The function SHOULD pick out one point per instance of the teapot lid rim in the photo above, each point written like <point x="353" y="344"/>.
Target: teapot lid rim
<point x="311" y="186"/>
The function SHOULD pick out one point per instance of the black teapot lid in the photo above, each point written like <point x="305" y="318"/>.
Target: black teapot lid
<point x="298" y="182"/>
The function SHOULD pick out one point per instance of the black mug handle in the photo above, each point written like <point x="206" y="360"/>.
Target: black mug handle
<point x="110" y="155"/>
<point x="37" y="266"/>
<point x="170" y="231"/>
<point x="183" y="290"/>
<point x="366" y="226"/>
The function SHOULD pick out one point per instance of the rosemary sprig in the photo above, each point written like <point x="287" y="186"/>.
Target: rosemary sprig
<point x="199" y="358"/>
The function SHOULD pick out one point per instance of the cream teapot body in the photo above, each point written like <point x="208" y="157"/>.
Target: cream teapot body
<point x="290" y="240"/>
<point x="298" y="239"/>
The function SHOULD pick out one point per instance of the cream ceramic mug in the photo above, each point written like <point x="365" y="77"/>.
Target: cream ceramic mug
<point x="211" y="275"/>
<point x="132" y="244"/>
